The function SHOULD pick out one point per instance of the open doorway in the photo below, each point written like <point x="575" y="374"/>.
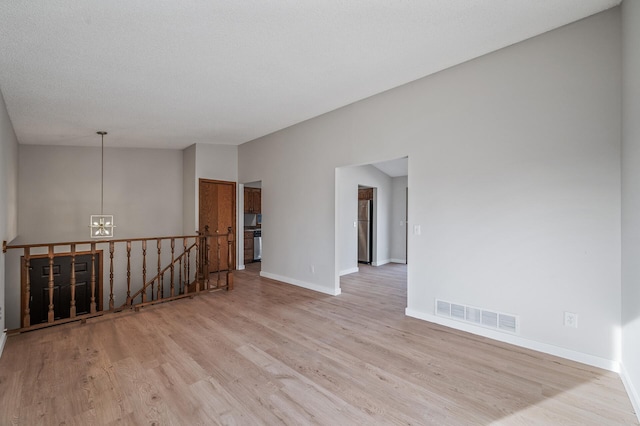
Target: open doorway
<point x="366" y="228"/>
<point x="252" y="210"/>
<point x="371" y="223"/>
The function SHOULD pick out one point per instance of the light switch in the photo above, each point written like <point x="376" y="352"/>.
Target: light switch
<point x="416" y="230"/>
<point x="355" y="223"/>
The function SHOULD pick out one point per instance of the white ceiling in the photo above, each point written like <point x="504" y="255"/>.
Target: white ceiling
<point x="394" y="168"/>
<point x="175" y="72"/>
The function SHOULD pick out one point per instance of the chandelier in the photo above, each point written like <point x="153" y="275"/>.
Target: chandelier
<point x="101" y="225"/>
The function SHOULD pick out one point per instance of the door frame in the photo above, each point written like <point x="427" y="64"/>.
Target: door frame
<point x="234" y="213"/>
<point x="23" y="278"/>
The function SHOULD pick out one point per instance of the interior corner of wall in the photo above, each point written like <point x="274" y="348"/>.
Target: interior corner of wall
<point x="3" y="340"/>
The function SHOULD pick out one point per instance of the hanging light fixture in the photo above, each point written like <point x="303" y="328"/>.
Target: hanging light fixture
<point x="101" y="224"/>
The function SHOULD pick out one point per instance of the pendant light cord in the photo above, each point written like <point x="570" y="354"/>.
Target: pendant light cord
<point x="102" y="177"/>
<point x="102" y="133"/>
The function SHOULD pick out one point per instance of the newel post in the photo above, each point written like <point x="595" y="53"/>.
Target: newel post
<point x="230" y="259"/>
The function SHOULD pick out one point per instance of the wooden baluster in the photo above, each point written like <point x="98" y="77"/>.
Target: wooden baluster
<point x="173" y="245"/>
<point x="198" y="255"/>
<point x="111" y="249"/>
<point x="207" y="256"/>
<point x="128" y="272"/>
<point x="187" y="265"/>
<point x="51" y="315"/>
<point x="184" y="281"/>
<point x="92" y="305"/>
<point x="219" y="255"/>
<point x="26" y="318"/>
<point x="144" y="269"/>
<point x="230" y="259"/>
<point x="160" y="290"/>
<point x="72" y="309"/>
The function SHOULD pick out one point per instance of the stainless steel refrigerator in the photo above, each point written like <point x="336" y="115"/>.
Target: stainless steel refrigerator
<point x="364" y="230"/>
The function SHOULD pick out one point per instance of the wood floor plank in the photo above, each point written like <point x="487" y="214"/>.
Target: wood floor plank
<point x="271" y="353"/>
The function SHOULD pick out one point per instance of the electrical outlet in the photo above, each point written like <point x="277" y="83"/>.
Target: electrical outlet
<point x="312" y="269"/>
<point x="571" y="319"/>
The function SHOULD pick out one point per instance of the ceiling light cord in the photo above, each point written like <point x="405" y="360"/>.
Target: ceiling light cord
<point x="102" y="133"/>
<point x="102" y="175"/>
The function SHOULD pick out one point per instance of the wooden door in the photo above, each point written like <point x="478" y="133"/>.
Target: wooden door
<point x="218" y="210"/>
<point x="39" y="289"/>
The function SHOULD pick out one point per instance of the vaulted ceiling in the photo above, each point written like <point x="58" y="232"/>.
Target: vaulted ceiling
<point x="176" y="72"/>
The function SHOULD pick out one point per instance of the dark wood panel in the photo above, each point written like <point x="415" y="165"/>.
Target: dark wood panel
<point x="365" y="194"/>
<point x="39" y="282"/>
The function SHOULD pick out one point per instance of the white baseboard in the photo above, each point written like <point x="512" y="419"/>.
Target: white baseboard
<point x="380" y="263"/>
<point x="240" y="267"/>
<point x="3" y="340"/>
<point x="349" y="271"/>
<point x="302" y="284"/>
<point x="634" y="396"/>
<point x="572" y="355"/>
<point x="398" y="260"/>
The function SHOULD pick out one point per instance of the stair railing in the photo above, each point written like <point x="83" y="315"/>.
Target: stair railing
<point x="185" y="273"/>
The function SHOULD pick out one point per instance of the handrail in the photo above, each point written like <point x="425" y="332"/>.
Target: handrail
<point x="154" y="279"/>
<point x="6" y="246"/>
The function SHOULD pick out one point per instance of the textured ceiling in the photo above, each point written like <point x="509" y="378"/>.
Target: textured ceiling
<point x="175" y="72"/>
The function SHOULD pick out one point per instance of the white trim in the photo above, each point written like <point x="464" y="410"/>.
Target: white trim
<point x="634" y="396"/>
<point x="382" y="262"/>
<point x="240" y="267"/>
<point x="398" y="260"/>
<point x="303" y="284"/>
<point x="350" y="271"/>
<point x="595" y="361"/>
<point x="3" y="340"/>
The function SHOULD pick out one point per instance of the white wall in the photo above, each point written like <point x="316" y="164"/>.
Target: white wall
<point x="205" y="161"/>
<point x="189" y="191"/>
<point x="631" y="200"/>
<point x="348" y="179"/>
<point x="398" y="219"/>
<point x="59" y="188"/>
<point x="515" y="177"/>
<point x="8" y="200"/>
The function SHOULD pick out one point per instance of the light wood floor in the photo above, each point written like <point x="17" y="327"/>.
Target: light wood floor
<point x="270" y="353"/>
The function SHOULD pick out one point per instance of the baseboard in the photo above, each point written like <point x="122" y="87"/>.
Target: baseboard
<point x="240" y="267"/>
<point x="572" y="355"/>
<point x="634" y="396"/>
<point x="3" y="340"/>
<point x="299" y="283"/>
<point x="349" y="271"/>
<point x="382" y="262"/>
<point x="398" y="260"/>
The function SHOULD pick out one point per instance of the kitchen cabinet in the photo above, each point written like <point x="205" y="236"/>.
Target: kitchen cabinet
<point x="365" y="194"/>
<point x="252" y="200"/>
<point x="248" y="247"/>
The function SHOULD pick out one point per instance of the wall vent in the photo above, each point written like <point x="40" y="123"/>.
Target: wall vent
<point x="478" y="316"/>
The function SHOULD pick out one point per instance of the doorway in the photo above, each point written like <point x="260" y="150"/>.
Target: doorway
<point x="252" y="221"/>
<point x="387" y="184"/>
<point x="366" y="228"/>
<point x="217" y="210"/>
